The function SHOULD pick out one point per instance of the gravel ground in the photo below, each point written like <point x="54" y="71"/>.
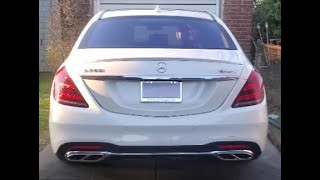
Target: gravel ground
<point x="272" y="81"/>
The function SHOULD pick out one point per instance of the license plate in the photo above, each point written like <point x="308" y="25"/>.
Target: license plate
<point x="161" y="91"/>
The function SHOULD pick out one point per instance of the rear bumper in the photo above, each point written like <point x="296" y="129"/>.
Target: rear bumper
<point x="79" y="151"/>
<point x="70" y="125"/>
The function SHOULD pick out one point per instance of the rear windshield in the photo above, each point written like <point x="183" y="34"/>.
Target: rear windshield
<point x="157" y="32"/>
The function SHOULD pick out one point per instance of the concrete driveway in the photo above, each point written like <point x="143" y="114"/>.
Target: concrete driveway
<point x="267" y="167"/>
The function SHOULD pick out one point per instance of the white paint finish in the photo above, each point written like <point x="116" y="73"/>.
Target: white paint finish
<point x="211" y="6"/>
<point x="198" y="97"/>
<point x="166" y="11"/>
<point x="140" y="67"/>
<point x="95" y="124"/>
<point x="160" y="1"/>
<point x="90" y="55"/>
<point x="68" y="124"/>
<point x="135" y="63"/>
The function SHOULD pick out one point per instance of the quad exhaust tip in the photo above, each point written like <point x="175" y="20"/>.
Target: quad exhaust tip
<point x="234" y="155"/>
<point x="96" y="156"/>
<point x="85" y="156"/>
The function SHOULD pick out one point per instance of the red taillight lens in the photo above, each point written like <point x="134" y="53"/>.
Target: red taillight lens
<point x="252" y="92"/>
<point x="233" y="146"/>
<point x="65" y="91"/>
<point x="86" y="147"/>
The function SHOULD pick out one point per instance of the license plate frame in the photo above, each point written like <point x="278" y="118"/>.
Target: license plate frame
<point x="154" y="99"/>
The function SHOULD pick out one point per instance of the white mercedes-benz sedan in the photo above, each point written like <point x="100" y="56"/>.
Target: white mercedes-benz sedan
<point x="145" y="83"/>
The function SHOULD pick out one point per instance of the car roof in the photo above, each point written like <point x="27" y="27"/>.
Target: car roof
<point x="156" y="12"/>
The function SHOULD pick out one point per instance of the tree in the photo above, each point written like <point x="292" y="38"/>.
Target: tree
<point x="66" y="21"/>
<point x="268" y="11"/>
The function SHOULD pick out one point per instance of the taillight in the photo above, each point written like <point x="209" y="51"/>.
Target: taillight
<point x="65" y="91"/>
<point x="252" y="92"/>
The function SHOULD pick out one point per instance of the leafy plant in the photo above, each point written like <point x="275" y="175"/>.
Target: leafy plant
<point x="66" y="20"/>
<point x="268" y="11"/>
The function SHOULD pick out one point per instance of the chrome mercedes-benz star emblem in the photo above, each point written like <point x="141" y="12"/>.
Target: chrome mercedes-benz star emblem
<point x="161" y="67"/>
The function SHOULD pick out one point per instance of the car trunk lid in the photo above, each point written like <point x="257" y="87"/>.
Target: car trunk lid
<point x="115" y="80"/>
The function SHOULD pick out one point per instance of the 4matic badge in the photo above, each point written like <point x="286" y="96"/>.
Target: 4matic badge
<point x="227" y="72"/>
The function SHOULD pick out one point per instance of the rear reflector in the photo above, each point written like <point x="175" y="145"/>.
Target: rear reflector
<point x="252" y="92"/>
<point x="65" y="91"/>
<point x="86" y="147"/>
<point x="233" y="146"/>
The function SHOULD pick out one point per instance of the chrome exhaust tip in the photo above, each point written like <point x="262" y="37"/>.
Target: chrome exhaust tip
<point x="85" y="156"/>
<point x="234" y="155"/>
<point x="96" y="156"/>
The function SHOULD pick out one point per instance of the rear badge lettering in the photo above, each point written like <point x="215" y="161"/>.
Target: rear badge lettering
<point x="93" y="70"/>
<point x="226" y="71"/>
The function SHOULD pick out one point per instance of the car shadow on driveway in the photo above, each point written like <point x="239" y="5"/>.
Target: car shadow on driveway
<point x="267" y="167"/>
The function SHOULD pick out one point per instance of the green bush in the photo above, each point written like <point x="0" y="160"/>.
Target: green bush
<point x="268" y="11"/>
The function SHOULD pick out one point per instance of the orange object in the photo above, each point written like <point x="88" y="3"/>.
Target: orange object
<point x="273" y="52"/>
